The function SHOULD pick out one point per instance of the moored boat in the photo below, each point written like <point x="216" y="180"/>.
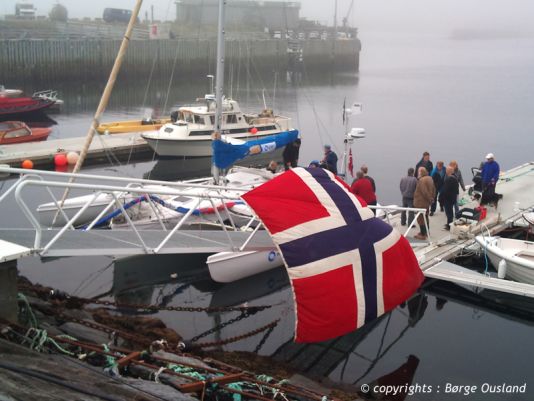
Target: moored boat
<point x="17" y="132"/>
<point x="120" y="127"/>
<point x="512" y="258"/>
<point x="22" y="105"/>
<point x="227" y="267"/>
<point x="189" y="133"/>
<point x="4" y="92"/>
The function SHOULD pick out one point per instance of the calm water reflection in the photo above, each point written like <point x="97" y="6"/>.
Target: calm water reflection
<point x="459" y="100"/>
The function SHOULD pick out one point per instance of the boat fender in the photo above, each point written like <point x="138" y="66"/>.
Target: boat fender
<point x="501" y="271"/>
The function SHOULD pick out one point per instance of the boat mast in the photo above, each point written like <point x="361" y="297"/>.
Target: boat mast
<point x="219" y="81"/>
<point x="105" y="96"/>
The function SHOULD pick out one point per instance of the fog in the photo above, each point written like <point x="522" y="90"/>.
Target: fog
<point x="370" y="15"/>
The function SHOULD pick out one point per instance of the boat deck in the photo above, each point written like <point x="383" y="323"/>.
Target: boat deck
<point x="42" y="153"/>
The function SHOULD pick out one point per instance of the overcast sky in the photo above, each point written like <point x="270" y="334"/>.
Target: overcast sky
<point x="394" y="15"/>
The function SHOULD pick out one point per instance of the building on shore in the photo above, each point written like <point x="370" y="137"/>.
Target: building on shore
<point x="269" y="15"/>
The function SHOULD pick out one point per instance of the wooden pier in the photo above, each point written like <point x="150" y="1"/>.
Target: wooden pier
<point x="122" y="146"/>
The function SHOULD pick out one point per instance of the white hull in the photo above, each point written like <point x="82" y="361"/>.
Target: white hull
<point x="226" y="267"/>
<point x="187" y="147"/>
<point x="518" y="254"/>
<point x="47" y="212"/>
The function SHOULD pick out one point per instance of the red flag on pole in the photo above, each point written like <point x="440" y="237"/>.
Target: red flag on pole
<point x="350" y="167"/>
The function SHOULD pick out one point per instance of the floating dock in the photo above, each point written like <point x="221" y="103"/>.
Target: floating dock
<point x="103" y="147"/>
<point x="515" y="185"/>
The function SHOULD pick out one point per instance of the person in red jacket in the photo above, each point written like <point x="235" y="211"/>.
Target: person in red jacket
<point x="364" y="189"/>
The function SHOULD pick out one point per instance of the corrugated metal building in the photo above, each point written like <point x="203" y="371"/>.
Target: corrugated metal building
<point x="273" y="15"/>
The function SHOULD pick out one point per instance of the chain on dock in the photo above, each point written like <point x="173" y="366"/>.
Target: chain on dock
<point x="50" y="294"/>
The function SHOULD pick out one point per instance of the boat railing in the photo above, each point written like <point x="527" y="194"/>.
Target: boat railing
<point x="122" y="197"/>
<point x="393" y="210"/>
<point x="46" y="94"/>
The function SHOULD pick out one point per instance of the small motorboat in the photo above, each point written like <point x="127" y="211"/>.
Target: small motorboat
<point x="227" y="267"/>
<point x="511" y="258"/>
<point x="121" y="127"/>
<point x="17" y="132"/>
<point x="9" y="92"/>
<point x="22" y="105"/>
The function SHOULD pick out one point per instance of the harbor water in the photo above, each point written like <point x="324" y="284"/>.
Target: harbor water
<point x="457" y="99"/>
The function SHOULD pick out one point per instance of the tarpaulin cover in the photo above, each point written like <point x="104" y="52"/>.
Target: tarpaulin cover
<point x="225" y="154"/>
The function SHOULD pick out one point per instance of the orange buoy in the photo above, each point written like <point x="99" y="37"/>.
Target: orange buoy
<point x="60" y="160"/>
<point x="253" y="130"/>
<point x="27" y="164"/>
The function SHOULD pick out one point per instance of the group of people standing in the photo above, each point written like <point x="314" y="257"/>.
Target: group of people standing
<point x="424" y="187"/>
<point x="427" y="185"/>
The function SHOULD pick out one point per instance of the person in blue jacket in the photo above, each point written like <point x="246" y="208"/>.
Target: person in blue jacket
<point x="330" y="159"/>
<point x="490" y="176"/>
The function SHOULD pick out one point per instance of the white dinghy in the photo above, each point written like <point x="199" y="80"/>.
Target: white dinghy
<point x="513" y="259"/>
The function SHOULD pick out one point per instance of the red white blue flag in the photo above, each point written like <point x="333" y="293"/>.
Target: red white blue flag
<point x="346" y="266"/>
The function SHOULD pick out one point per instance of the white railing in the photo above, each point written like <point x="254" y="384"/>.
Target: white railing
<point x="393" y="210"/>
<point x="122" y="189"/>
<point x="134" y="190"/>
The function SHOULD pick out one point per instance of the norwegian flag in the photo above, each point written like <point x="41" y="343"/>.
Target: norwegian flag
<point x="350" y="167"/>
<point x="346" y="266"/>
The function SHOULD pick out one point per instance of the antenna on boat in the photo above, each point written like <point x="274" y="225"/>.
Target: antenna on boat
<point x="350" y="136"/>
<point x="210" y="77"/>
<point x="263" y="95"/>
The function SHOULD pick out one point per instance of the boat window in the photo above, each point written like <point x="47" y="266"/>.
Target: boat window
<point x="266" y="128"/>
<point x="17" y="133"/>
<point x="231" y="119"/>
<point x="212" y="120"/>
<point x="188" y="117"/>
<point x="199" y="119"/>
<point x="168" y="130"/>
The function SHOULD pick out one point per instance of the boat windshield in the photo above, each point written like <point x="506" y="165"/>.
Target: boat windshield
<point x="16" y="133"/>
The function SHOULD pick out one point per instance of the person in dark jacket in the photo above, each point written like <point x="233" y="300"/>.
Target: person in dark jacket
<point x="438" y="176"/>
<point x="448" y="195"/>
<point x="424" y="162"/>
<point x="490" y="176"/>
<point x="330" y="159"/>
<point x="407" y="188"/>
<point x="291" y="154"/>
<point x="458" y="174"/>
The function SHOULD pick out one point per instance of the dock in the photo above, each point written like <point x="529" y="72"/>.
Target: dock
<point x="121" y="146"/>
<point x="434" y="255"/>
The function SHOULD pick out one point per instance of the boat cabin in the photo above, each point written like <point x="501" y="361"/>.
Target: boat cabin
<point x="9" y="129"/>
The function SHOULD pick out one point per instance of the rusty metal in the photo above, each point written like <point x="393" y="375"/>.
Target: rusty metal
<point x="129" y="358"/>
<point x="198" y="386"/>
